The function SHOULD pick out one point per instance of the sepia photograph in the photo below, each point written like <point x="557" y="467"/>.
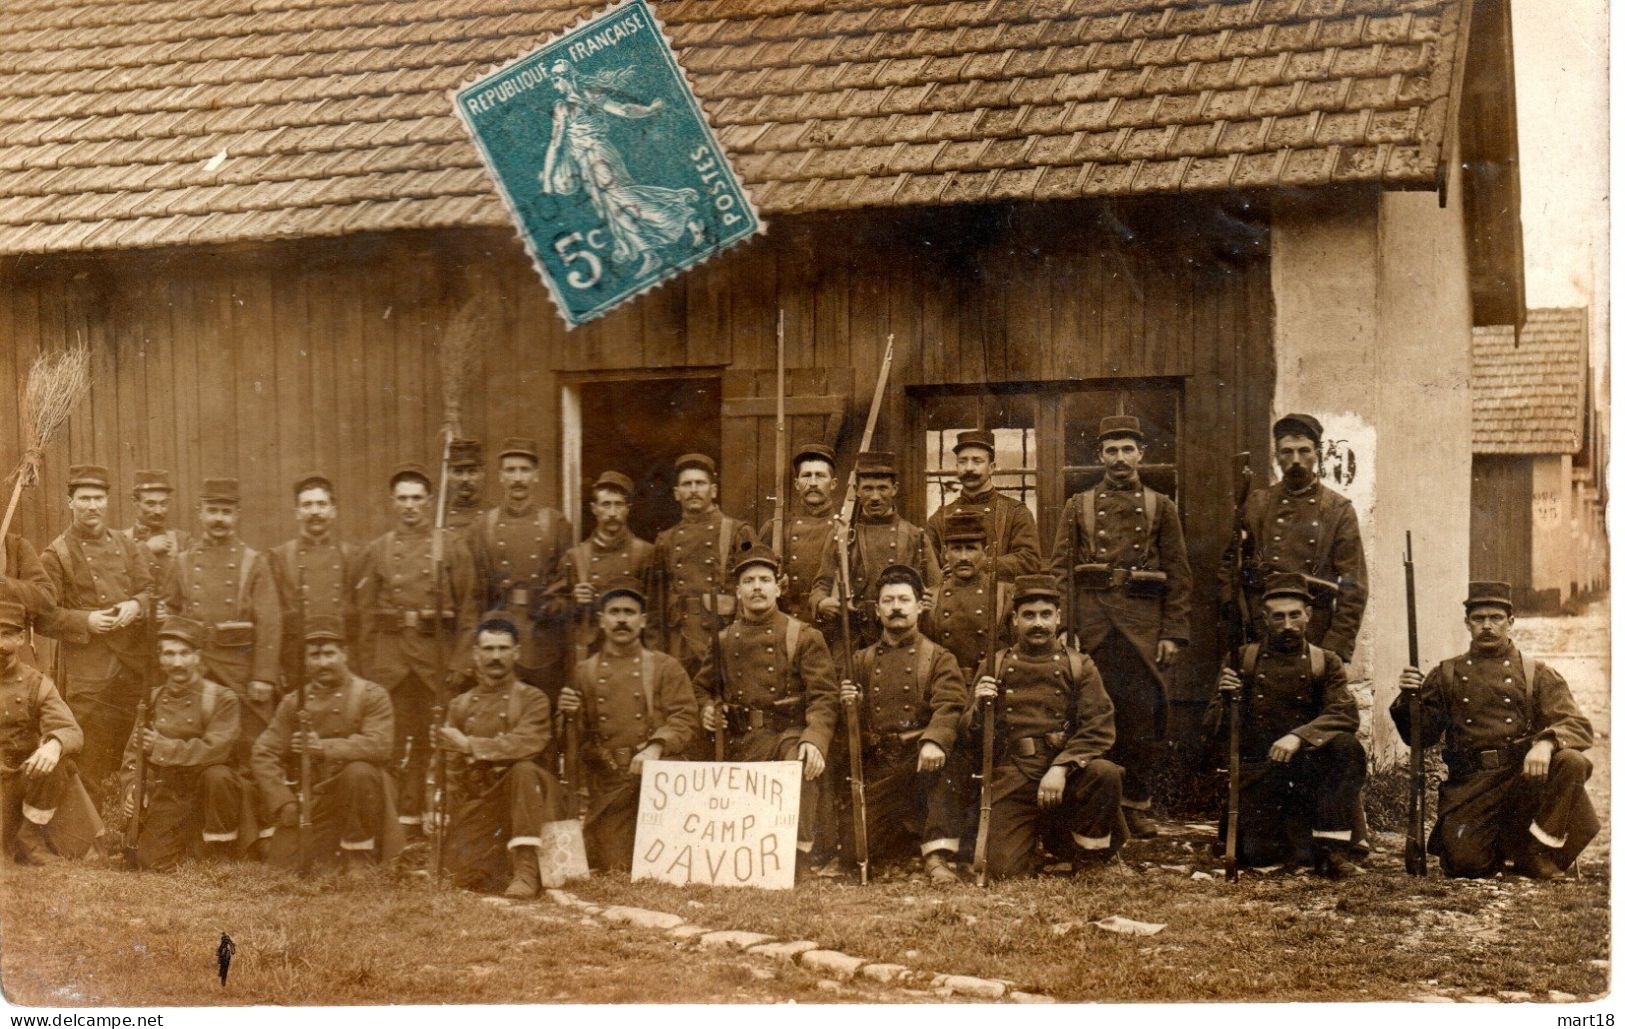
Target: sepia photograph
<point x="797" y="502"/>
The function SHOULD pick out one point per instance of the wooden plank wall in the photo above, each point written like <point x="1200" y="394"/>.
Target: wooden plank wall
<point x="1503" y="520"/>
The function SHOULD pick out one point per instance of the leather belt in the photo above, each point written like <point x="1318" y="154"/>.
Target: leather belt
<point x="1490" y="759"/>
<point x="420" y="620"/>
<point x="1028" y="746"/>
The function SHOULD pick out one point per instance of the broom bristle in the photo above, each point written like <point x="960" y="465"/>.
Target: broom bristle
<point x="55" y="384"/>
<point x="459" y="356"/>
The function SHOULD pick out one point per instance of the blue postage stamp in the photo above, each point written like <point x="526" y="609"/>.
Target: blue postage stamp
<point x="606" y="161"/>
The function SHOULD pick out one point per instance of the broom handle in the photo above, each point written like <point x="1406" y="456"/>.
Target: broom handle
<point x="5" y="523"/>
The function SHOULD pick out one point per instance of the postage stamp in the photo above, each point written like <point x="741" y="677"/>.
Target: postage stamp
<point x="606" y="162"/>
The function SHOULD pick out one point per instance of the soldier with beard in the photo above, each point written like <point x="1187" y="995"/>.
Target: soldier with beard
<point x="610" y="553"/>
<point x="152" y="495"/>
<point x="1301" y="525"/>
<point x="1514" y="742"/>
<point x="315" y="572"/>
<point x="1011" y="528"/>
<point x="466" y="471"/>
<point x="1302" y="766"/>
<point x="809" y="527"/>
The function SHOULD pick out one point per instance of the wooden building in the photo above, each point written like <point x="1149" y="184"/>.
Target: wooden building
<point x="263" y="216"/>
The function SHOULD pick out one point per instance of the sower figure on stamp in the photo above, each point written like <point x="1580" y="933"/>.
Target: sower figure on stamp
<point x="315" y="573"/>
<point x="638" y="705"/>
<point x="1302" y="765"/>
<point x="193" y="803"/>
<point x="771" y="678"/>
<point x="691" y="564"/>
<point x="406" y="614"/>
<point x="1122" y="541"/>
<point x="807" y="529"/>
<point x="910" y="698"/>
<point x="610" y="553"/>
<point x="519" y="547"/>
<point x="38" y="740"/>
<point x="1514" y="743"/>
<point x="1052" y="782"/>
<point x="104" y="595"/>
<point x="1012" y="530"/>
<point x="1301" y="525"/>
<point x="352" y="730"/>
<point x="160" y="545"/>
<point x="466" y="469"/>
<point x="879" y="538"/>
<point x="496" y="733"/>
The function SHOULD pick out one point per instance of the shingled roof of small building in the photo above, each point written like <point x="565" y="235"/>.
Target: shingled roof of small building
<point x="1529" y="395"/>
<point x="159" y="122"/>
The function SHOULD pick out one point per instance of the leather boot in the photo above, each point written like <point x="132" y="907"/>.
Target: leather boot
<point x="527" y="873"/>
<point x="939" y="870"/>
<point x="1339" y="864"/>
<point x="1140" y="825"/>
<point x="34" y="846"/>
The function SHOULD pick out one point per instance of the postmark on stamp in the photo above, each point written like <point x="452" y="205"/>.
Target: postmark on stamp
<point x="606" y="162"/>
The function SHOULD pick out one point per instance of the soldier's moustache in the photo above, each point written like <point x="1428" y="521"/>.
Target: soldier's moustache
<point x="1287" y="639"/>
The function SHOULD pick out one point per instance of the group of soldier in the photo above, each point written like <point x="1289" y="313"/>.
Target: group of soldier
<point x="289" y="705"/>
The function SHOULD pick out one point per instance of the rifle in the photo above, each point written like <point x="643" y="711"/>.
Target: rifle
<point x="989" y="711"/>
<point x="1416" y="855"/>
<point x="1071" y="582"/>
<point x="1238" y="639"/>
<point x="779" y="456"/>
<point x="434" y="789"/>
<point x="306" y="853"/>
<point x="854" y="735"/>
<point x="572" y="765"/>
<point x="132" y="831"/>
<point x="850" y="498"/>
<point x="434" y="780"/>
<point x="719" y="739"/>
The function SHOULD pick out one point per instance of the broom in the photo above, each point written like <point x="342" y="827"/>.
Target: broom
<point x="55" y="385"/>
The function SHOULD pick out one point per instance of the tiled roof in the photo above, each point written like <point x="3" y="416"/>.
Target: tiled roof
<point x="333" y="116"/>
<point x="1529" y="395"/>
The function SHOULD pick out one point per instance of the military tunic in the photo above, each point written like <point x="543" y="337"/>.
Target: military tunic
<point x="1316" y="532"/>
<point x="1012" y="532"/>
<point x="960" y="620"/>
<point x="518" y="555"/>
<point x="313" y="578"/>
<point x="31" y="712"/>
<point x="873" y="546"/>
<point x="1052" y="711"/>
<point x="158" y="565"/>
<point x="805" y="535"/>
<point x="24" y="581"/>
<point x="352" y="806"/>
<point x="625" y="712"/>
<point x="596" y="561"/>
<point x="106" y="673"/>
<point x="193" y="793"/>
<point x="1288" y="809"/>
<point x="1486" y="712"/>
<point x="691" y="569"/>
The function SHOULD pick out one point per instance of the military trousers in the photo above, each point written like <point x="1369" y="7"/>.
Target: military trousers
<point x="30" y="798"/>
<point x="610" y="827"/>
<point x="1490" y="817"/>
<point x="189" y="811"/>
<point x="496" y="808"/>
<point x="1138" y="712"/>
<point x="414" y="702"/>
<point x="104" y="707"/>
<point x="907" y="811"/>
<point x="768" y="745"/>
<point x="347" y="814"/>
<point x="1084" y="825"/>
<point x="1291" y="810"/>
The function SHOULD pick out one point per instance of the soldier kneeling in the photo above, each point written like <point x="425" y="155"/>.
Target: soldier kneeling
<point x="1052" y="726"/>
<point x="1301" y="765"/>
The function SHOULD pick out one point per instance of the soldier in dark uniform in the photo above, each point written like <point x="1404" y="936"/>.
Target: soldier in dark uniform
<point x="352" y="732"/>
<point x="501" y="794"/>
<point x="1012" y="531"/>
<point x="809" y="525"/>
<point x="638" y="706"/>
<point x="691" y="564"/>
<point x="152" y="494"/>
<point x="877" y="540"/>
<point x="466" y="470"/>
<point x="519" y="547"/>
<point x="610" y="553"/>
<point x="1301" y="525"/>
<point x="772" y="678"/>
<point x="1302" y="765"/>
<point x="1514" y="743"/>
<point x="417" y="625"/>
<point x="193" y="795"/>
<point x="38" y="739"/>
<point x="958" y="616"/>
<point x="315" y="572"/>
<point x="23" y="581"/>
<point x="910" y="697"/>
<point x="1053" y="728"/>
<point x="104" y="594"/>
<point x="1123" y="542"/>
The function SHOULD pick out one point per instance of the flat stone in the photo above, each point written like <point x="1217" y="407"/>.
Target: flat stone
<point x="500" y="902"/>
<point x="786" y="952"/>
<point x="828" y="985"/>
<point x="735" y="939"/>
<point x="1515" y="996"/>
<point x="832" y="962"/>
<point x="569" y="900"/>
<point x="939" y="981"/>
<point x="1432" y="998"/>
<point x="971" y="986"/>
<point x="1030" y="998"/>
<point x="1475" y="999"/>
<point x="643" y="918"/>
<point x="687" y="932"/>
<point x="881" y="972"/>
<point x="1561" y="997"/>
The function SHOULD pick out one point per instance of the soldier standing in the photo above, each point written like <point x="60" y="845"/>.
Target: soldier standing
<point x="691" y="563"/>
<point x="315" y="573"/>
<point x="466" y="470"/>
<point x="1052" y="727"/>
<point x="1010" y="526"/>
<point x="808" y="528"/>
<point x="498" y="731"/>
<point x="152" y="495"/>
<point x="24" y="582"/>
<point x="351" y="731"/>
<point x="1514" y="743"/>
<point x="911" y="697"/>
<point x="959" y="618"/>
<point x="638" y="706"/>
<point x="1302" y="765"/>
<point x="37" y="731"/>
<point x="519" y="547"/>
<point x="1122" y="541"/>
<point x="416" y="620"/>
<point x="770" y="676"/>
<point x="610" y="553"/>
<point x="104" y="592"/>
<point x="1301" y="525"/>
<point x="193" y="796"/>
<point x="878" y="539"/>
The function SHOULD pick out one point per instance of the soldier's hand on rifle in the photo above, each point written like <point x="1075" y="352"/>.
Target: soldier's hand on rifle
<point x="652" y="752"/>
<point x="146" y="738"/>
<point x="1052" y="786"/>
<point x="302" y="741"/>
<point x="1538" y="761"/>
<point x="928" y="600"/>
<point x="708" y="717"/>
<point x="452" y="738"/>
<point x="1167" y="650"/>
<point x="1281" y="750"/>
<point x="569" y="700"/>
<point x="849" y="691"/>
<point x="812" y="760"/>
<point x="44" y="758"/>
<point x="829" y="607"/>
<point x="103" y="621"/>
<point x="987" y="688"/>
<point x="129" y="804"/>
<point x="1229" y="681"/>
<point x="932" y="757"/>
<point x="1410" y="679"/>
<point x="261" y="692"/>
<point x="584" y="594"/>
<point x="288" y="817"/>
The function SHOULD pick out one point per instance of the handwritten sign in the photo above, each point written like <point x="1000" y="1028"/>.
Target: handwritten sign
<point x="1548" y="509"/>
<point x="719" y="823"/>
